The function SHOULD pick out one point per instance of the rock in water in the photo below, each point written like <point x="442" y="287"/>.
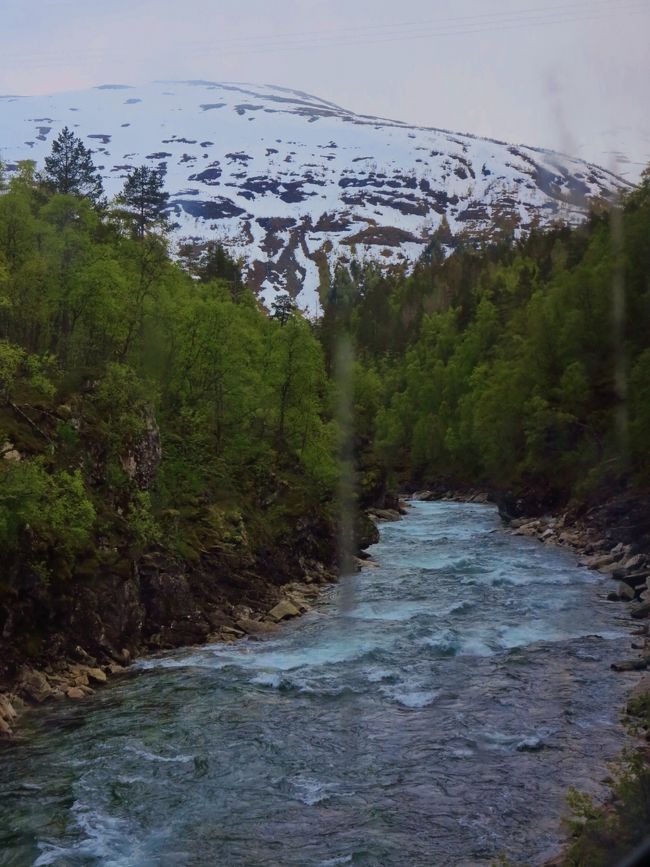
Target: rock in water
<point x="284" y="610"/>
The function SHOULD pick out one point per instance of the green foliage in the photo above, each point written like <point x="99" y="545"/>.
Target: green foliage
<point x="18" y="369"/>
<point x="602" y="835"/>
<point x="504" y="365"/>
<point x="208" y="261"/>
<point x="49" y="508"/>
<point x="141" y="520"/>
<point x="141" y="400"/>
<point x="69" y="168"/>
<point x="143" y="199"/>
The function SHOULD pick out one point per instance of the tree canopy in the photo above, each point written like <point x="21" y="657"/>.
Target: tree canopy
<point x="69" y="169"/>
<point x="143" y="199"/>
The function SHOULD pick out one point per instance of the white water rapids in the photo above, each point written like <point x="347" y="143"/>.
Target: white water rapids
<point x="437" y="718"/>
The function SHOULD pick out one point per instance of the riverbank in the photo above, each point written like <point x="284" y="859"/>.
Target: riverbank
<point x="76" y="679"/>
<point x="165" y="604"/>
<point x="613" y="539"/>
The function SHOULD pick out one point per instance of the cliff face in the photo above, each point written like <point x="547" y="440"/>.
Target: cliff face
<point x="121" y="597"/>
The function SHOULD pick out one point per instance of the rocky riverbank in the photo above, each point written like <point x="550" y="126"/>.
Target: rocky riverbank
<point x="612" y="537"/>
<point x="161" y="602"/>
<point x="78" y="677"/>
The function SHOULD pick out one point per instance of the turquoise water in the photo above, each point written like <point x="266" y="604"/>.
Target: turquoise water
<point x="431" y="711"/>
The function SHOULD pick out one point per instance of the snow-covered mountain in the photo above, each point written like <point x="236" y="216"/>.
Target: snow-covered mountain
<point x="291" y="182"/>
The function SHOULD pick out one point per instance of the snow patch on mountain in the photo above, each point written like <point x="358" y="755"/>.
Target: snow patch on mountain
<point x="290" y="182"/>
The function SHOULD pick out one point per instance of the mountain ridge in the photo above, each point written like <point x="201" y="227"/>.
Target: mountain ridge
<point x="290" y="182"/>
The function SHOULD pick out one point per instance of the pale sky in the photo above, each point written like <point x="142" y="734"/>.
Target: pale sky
<point x="573" y="76"/>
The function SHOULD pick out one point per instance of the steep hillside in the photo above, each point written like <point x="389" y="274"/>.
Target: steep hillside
<point x="289" y="181"/>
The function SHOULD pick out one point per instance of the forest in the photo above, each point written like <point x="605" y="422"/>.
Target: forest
<point x="145" y="402"/>
<point x="521" y="365"/>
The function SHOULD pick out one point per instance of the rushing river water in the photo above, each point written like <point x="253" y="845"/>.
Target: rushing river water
<point x="432" y="711"/>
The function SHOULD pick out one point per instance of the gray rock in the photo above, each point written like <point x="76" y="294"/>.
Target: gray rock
<point x="231" y="630"/>
<point x="531" y="528"/>
<point x="639" y="664"/>
<point x="257" y="627"/>
<point x="635" y="563"/>
<point x="600" y="562"/>
<point x="625" y="591"/>
<point x="6" y="708"/>
<point x="386" y="514"/>
<point x="639" y="612"/>
<point x="35" y="685"/>
<point x="300" y="603"/>
<point x="642" y="688"/>
<point x="634" y="579"/>
<point x="284" y="610"/>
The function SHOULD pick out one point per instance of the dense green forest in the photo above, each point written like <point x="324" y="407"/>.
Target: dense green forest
<point x="522" y="365"/>
<point x="148" y="401"/>
<point x="143" y="401"/>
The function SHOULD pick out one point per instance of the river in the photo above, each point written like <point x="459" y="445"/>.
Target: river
<point x="431" y="711"/>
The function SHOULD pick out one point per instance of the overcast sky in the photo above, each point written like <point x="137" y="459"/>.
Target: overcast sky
<point x="572" y="76"/>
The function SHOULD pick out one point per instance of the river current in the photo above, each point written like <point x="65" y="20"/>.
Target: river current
<point x="431" y="711"/>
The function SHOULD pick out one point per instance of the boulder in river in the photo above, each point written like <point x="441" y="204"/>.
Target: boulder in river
<point x="639" y="664"/>
<point x="256" y="627"/>
<point x="284" y="610"/>
<point x="639" y="612"/>
<point x="385" y="514"/>
<point x="625" y="591"/>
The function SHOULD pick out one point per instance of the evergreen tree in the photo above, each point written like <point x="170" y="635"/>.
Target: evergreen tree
<point x="144" y="199"/>
<point x="283" y="308"/>
<point x="70" y="170"/>
<point x="209" y="261"/>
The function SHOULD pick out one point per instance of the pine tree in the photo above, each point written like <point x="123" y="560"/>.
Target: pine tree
<point x="144" y="199"/>
<point x="70" y="170"/>
<point x="283" y="308"/>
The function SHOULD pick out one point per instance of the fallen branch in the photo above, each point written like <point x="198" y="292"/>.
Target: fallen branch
<point x="29" y="421"/>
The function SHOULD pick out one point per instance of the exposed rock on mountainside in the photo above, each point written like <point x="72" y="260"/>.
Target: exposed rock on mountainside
<point x="285" y="179"/>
